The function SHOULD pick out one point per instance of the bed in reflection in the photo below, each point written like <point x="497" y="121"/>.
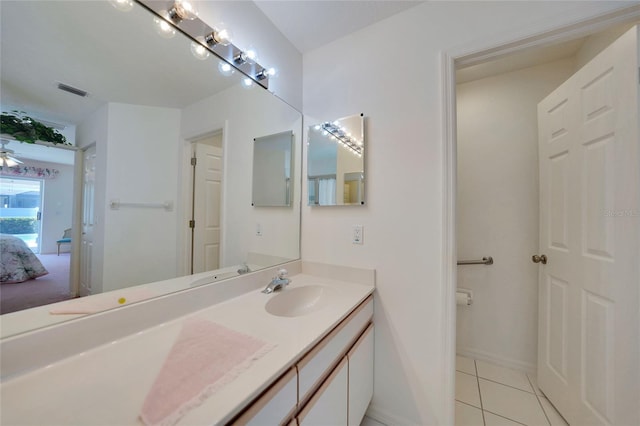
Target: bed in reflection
<point x="17" y="262"/>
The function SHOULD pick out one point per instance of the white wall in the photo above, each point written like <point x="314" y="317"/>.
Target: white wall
<point x="391" y="72"/>
<point x="245" y="115"/>
<point x="498" y="211"/>
<point x="143" y="157"/>
<point x="251" y="28"/>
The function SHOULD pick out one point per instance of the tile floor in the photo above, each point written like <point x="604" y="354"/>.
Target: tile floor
<point x="490" y="395"/>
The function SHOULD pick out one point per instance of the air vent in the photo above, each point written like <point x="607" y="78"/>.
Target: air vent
<point x="72" y="89"/>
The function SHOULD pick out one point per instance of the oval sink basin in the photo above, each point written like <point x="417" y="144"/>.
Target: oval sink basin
<point x="295" y="302"/>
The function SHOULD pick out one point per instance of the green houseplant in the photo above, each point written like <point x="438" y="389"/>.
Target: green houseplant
<point x="26" y="129"/>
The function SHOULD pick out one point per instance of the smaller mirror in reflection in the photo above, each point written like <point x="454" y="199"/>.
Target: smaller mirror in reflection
<point x="335" y="162"/>
<point x="272" y="170"/>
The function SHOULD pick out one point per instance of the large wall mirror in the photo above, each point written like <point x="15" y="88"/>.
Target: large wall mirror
<point x="142" y="213"/>
<point x="335" y="162"/>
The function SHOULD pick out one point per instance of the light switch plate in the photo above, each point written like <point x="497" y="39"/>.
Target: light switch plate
<point x="358" y="234"/>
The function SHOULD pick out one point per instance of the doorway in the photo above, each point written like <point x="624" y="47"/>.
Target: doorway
<point x="21" y="210"/>
<point x="206" y="202"/>
<point x="469" y="275"/>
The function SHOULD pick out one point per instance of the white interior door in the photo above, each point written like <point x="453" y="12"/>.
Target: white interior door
<point x="589" y="321"/>
<point x="88" y="220"/>
<point x="207" y="205"/>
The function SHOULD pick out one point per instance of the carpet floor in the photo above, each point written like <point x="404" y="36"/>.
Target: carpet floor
<point x="53" y="287"/>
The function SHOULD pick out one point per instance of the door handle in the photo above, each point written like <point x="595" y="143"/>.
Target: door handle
<point x="539" y="259"/>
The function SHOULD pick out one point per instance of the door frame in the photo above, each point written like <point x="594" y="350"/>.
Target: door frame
<point x="473" y="54"/>
<point x="186" y="185"/>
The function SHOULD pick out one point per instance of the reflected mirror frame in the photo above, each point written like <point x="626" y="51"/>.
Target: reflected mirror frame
<point x="349" y="144"/>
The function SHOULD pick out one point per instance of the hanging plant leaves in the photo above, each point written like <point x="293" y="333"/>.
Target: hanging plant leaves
<point x="26" y="129"/>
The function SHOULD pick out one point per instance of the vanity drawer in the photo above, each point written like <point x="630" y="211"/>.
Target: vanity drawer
<point x="316" y="365"/>
<point x="328" y="406"/>
<point x="274" y="406"/>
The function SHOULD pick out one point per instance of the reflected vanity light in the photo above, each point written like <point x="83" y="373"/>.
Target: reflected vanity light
<point x="164" y="28"/>
<point x="198" y="50"/>
<point x="122" y="5"/>
<point x="340" y="135"/>
<point x="225" y="68"/>
<point x="247" y="83"/>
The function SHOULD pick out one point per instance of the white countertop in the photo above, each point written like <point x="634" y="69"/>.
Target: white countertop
<point x="108" y="384"/>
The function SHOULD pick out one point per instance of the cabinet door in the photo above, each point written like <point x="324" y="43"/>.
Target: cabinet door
<point x="328" y="406"/>
<point x="312" y="369"/>
<point x="277" y="403"/>
<point x="360" y="376"/>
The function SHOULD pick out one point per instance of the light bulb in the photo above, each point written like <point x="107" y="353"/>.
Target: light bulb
<point x="225" y="68"/>
<point x="198" y="50"/>
<point x="164" y="28"/>
<point x="122" y="5"/>
<point x="219" y="36"/>
<point x="251" y="54"/>
<point x="182" y="9"/>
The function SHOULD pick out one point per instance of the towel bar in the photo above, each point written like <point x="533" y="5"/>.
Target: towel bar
<point x="484" y="261"/>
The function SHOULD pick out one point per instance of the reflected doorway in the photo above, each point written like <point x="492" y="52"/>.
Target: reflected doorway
<point x="206" y="202"/>
<point x="21" y="210"/>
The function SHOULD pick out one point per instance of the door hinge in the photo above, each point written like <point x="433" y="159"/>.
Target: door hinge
<point x="192" y="224"/>
<point x="194" y="160"/>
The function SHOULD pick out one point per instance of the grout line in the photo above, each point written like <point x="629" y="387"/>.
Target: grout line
<point x="504" y="384"/>
<point x="500" y="415"/>
<point x="479" y="393"/>
<point x="538" y="399"/>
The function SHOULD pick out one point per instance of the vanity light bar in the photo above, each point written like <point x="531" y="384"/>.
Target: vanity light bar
<point x="195" y="28"/>
<point x="339" y="134"/>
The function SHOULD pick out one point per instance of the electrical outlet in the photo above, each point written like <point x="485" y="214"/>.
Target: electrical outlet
<point x="258" y="230"/>
<point x="358" y="234"/>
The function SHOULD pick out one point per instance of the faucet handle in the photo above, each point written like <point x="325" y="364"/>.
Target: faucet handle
<point x="282" y="273"/>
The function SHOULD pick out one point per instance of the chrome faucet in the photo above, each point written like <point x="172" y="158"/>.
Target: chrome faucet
<point x="278" y="282"/>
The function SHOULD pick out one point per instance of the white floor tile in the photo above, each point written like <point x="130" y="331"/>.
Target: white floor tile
<point x="506" y="376"/>
<point x="467" y="415"/>
<point x="491" y="419"/>
<point x="368" y="421"/>
<point x="552" y="414"/>
<point x="467" y="389"/>
<point x="512" y="403"/>
<point x="466" y="365"/>
<point x="534" y="382"/>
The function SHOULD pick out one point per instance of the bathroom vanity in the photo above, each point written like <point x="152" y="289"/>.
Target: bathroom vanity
<point x="319" y="369"/>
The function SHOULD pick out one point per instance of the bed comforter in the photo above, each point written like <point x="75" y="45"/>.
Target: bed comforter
<point x="17" y="261"/>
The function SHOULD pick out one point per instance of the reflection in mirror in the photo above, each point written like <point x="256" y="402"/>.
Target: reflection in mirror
<point x="151" y="107"/>
<point x="272" y="170"/>
<point x="335" y="162"/>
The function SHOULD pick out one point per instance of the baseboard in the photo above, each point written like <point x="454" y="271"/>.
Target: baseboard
<point x="385" y="417"/>
<point x="497" y="359"/>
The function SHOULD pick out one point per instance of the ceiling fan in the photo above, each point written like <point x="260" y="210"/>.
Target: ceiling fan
<point x="6" y="155"/>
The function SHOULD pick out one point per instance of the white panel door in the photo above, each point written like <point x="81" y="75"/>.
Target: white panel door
<point x="88" y="220"/>
<point x="207" y="207"/>
<point x="589" y="298"/>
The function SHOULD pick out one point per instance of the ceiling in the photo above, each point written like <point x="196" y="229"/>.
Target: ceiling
<point x="318" y="22"/>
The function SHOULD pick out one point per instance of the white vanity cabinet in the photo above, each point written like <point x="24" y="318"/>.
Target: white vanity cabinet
<point x="360" y="359"/>
<point x="334" y="380"/>
<point x="276" y="405"/>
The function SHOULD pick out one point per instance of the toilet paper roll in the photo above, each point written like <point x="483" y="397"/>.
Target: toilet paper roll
<point x="463" y="299"/>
